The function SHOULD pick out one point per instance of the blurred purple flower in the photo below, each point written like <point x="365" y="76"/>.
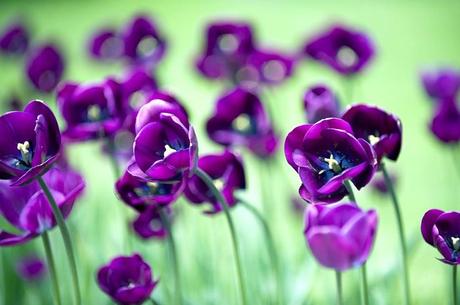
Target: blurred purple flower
<point x="27" y="208"/>
<point x="141" y="194"/>
<point x="341" y="48"/>
<point x="165" y="145"/>
<point x="381" y="129"/>
<point x="14" y="39"/>
<point x="325" y="155"/>
<point x="320" y="103"/>
<point x="267" y="67"/>
<point x="442" y="230"/>
<point x="30" y="143"/>
<point x="91" y="111"/>
<point x="143" y="43"/>
<point x="379" y="185"/>
<point x="106" y="44"/>
<point x="227" y="171"/>
<point x="127" y="280"/>
<point x="340" y="236"/>
<point x="445" y="124"/>
<point x="240" y="119"/>
<point x="226" y="50"/>
<point x="44" y="67"/>
<point x="148" y="224"/>
<point x="31" y="268"/>
<point x="442" y="83"/>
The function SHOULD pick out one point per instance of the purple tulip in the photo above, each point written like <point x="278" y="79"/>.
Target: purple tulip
<point x="27" y="208"/>
<point x="325" y="155"/>
<point x="442" y="83"/>
<point x="165" y="146"/>
<point x="340" y="236"/>
<point x="445" y="124"/>
<point x="143" y="44"/>
<point x="44" y="67"/>
<point x="240" y="119"/>
<point x="227" y="171"/>
<point x="31" y="143"/>
<point x="106" y="44"/>
<point x="127" y="280"/>
<point x="343" y="49"/>
<point x="91" y="111"/>
<point x="381" y="129"/>
<point x="148" y="224"/>
<point x="320" y="103"/>
<point x="31" y="268"/>
<point x="14" y="39"/>
<point x="141" y="194"/>
<point x="442" y="230"/>
<point x="226" y="50"/>
<point x="270" y="67"/>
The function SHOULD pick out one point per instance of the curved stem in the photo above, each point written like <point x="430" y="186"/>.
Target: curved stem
<point x="274" y="259"/>
<point x="3" y="279"/>
<point x="454" y="284"/>
<point x="216" y="193"/>
<point x="402" y="238"/>
<point x="351" y="194"/>
<point x="173" y="252"/>
<point x="66" y="237"/>
<point x="52" y="268"/>
<point x="338" y="280"/>
<point x="365" y="285"/>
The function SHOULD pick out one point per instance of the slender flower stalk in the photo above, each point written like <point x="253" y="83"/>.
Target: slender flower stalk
<point x="3" y="279"/>
<point x="365" y="289"/>
<point x="209" y="182"/>
<point x="402" y="238"/>
<point x="66" y="237"/>
<point x="338" y="279"/>
<point x="52" y="268"/>
<point x="454" y="285"/>
<point x="365" y="285"/>
<point x="154" y="302"/>
<point x="173" y="252"/>
<point x="274" y="258"/>
<point x="456" y="160"/>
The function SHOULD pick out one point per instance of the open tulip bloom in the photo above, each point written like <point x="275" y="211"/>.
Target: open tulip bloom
<point x="325" y="155"/>
<point x="128" y="280"/>
<point x="45" y="67"/>
<point x="106" y="44"/>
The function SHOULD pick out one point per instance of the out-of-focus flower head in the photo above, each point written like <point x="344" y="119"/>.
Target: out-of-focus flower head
<point x="320" y="103"/>
<point x="31" y="268"/>
<point x="14" y="39"/>
<point x="45" y="67"/>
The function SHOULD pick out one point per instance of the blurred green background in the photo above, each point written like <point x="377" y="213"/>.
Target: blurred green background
<point x="409" y="35"/>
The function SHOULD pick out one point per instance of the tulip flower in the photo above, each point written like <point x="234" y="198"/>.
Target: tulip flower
<point x="106" y="44"/>
<point x="445" y="124"/>
<point x="45" y="67"/>
<point x="31" y="143"/>
<point x="343" y="229"/>
<point x="343" y="49"/>
<point x="149" y="224"/>
<point x="442" y="83"/>
<point x="14" y="39"/>
<point x="325" y="155"/>
<point x="226" y="169"/>
<point x="31" y="268"/>
<point x="320" y="103"/>
<point x="128" y="280"/>
<point x="240" y="119"/>
<point x="266" y="67"/>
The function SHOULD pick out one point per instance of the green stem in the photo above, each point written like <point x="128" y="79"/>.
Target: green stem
<point x="153" y="301"/>
<point x="351" y="194"/>
<point x="365" y="285"/>
<point x="456" y="161"/>
<point x="338" y="280"/>
<point x="52" y="268"/>
<point x="173" y="252"/>
<point x="274" y="259"/>
<point x="402" y="239"/>
<point x="3" y="279"/>
<point x="216" y="193"/>
<point x="454" y="284"/>
<point x="66" y="237"/>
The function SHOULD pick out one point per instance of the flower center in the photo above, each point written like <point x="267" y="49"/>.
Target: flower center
<point x="274" y="70"/>
<point x="333" y="164"/>
<point x="347" y="56"/>
<point x="242" y="123"/>
<point x="25" y="152"/>
<point x="455" y="243"/>
<point x="228" y="43"/>
<point x="168" y="151"/>
<point x="373" y="139"/>
<point x="147" y="46"/>
<point x="94" y="113"/>
<point x="219" y="184"/>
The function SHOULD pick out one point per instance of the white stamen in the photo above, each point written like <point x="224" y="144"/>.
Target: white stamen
<point x="24" y="147"/>
<point x="147" y="46"/>
<point x="373" y="139"/>
<point x="347" y="56"/>
<point x="219" y="184"/>
<point x="94" y="113"/>
<point x="333" y="164"/>
<point x="456" y="243"/>
<point x="168" y="150"/>
<point x="228" y="43"/>
<point x="242" y="123"/>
